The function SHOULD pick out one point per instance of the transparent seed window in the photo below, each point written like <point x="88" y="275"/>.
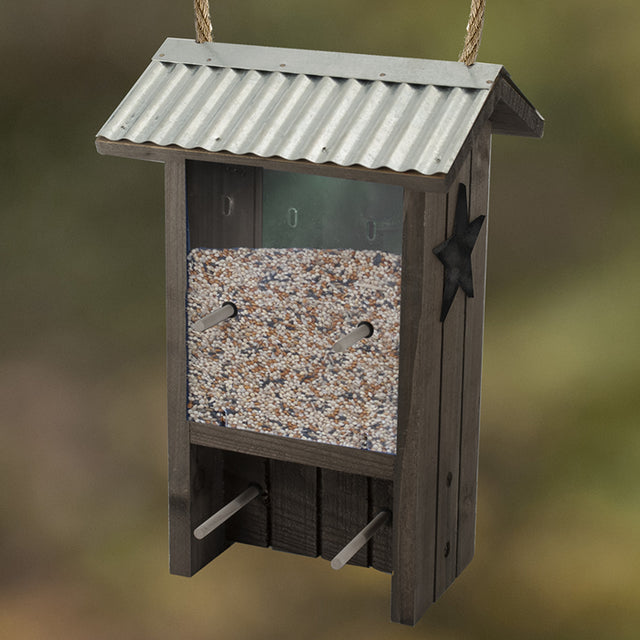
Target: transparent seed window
<point x="299" y="338"/>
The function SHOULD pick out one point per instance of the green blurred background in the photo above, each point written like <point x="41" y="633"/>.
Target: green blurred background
<point x="83" y="550"/>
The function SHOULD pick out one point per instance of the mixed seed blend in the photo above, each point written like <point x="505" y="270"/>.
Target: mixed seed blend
<point x="271" y="368"/>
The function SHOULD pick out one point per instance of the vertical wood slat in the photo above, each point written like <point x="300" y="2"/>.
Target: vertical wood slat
<point x="192" y="472"/>
<point x="343" y="513"/>
<point x="294" y="510"/>
<point x="453" y="336"/>
<point x="469" y="430"/>
<point x="381" y="545"/>
<point x="207" y="497"/>
<point x="224" y="209"/>
<point x="415" y="483"/>
<point x="251" y="524"/>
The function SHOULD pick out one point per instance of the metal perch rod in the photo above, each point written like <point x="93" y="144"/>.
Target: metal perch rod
<point x="227" y="511"/>
<point x="363" y="330"/>
<point x="360" y="540"/>
<point x="227" y="310"/>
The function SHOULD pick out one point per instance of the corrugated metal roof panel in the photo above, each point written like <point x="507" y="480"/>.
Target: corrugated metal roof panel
<point x="328" y="63"/>
<point x="347" y="121"/>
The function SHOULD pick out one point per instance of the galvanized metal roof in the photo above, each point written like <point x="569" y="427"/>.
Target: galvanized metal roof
<point x="348" y="109"/>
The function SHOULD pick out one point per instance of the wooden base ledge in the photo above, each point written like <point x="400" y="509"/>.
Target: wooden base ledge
<point x="368" y="463"/>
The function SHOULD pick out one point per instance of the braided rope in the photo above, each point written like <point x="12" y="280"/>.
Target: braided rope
<point x="474" y="33"/>
<point x="204" y="30"/>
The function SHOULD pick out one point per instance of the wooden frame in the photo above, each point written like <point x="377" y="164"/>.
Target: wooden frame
<point x="315" y="500"/>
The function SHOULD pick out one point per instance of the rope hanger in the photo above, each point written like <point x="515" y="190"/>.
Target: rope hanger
<point x="204" y="30"/>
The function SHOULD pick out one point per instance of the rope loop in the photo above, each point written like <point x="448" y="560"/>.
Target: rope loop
<point x="204" y="30"/>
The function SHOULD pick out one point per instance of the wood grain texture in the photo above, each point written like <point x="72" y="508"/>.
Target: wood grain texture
<point x="452" y="367"/>
<point x="192" y="472"/>
<point x="156" y="153"/>
<point x="251" y="524"/>
<point x="513" y="114"/>
<point x="206" y="498"/>
<point x="344" y="511"/>
<point x="415" y="483"/>
<point x="369" y="463"/>
<point x="293" y="497"/>
<point x="470" y="421"/>
<point x="381" y="545"/>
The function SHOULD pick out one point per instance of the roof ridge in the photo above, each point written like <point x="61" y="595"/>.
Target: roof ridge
<point x="329" y="63"/>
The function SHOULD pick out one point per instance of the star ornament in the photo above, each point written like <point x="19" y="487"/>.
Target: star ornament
<point x="455" y="253"/>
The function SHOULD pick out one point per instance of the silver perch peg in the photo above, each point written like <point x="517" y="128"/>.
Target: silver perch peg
<point x="221" y="516"/>
<point x="363" y="330"/>
<point x="227" y="310"/>
<point x="360" y="540"/>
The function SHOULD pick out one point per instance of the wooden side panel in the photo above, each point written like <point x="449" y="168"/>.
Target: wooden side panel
<point x="294" y="508"/>
<point x="344" y="512"/>
<point x="381" y="545"/>
<point x="469" y="431"/>
<point x="193" y="473"/>
<point x="453" y="338"/>
<point x="416" y="472"/>
<point x="224" y="205"/>
<point x="251" y="524"/>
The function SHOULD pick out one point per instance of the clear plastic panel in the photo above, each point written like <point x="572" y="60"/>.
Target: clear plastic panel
<point x="306" y="211"/>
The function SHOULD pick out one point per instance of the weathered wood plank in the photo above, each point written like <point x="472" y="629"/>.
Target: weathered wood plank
<point x="453" y="329"/>
<point x="344" y="512"/>
<point x="470" y="422"/>
<point x="155" y="153"/>
<point x="207" y="497"/>
<point x="381" y="545"/>
<point x="369" y="463"/>
<point x="513" y="114"/>
<point x="294" y="508"/>
<point x="193" y="474"/>
<point x="415" y="483"/>
<point x="251" y="524"/>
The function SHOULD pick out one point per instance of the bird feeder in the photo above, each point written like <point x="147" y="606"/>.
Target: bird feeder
<point x="325" y="252"/>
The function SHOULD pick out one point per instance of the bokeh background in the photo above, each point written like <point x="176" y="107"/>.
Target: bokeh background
<point x="83" y="550"/>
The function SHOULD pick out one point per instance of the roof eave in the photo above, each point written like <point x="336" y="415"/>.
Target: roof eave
<point x="438" y="182"/>
<point x="512" y="113"/>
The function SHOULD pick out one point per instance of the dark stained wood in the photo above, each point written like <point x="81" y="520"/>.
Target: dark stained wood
<point x="344" y="512"/>
<point x="453" y="329"/>
<point x="294" y="508"/>
<point x="469" y="430"/>
<point x="513" y="114"/>
<point x="381" y="545"/>
<point x="224" y="205"/>
<point x="415" y="483"/>
<point x="369" y="463"/>
<point x="193" y="473"/>
<point x="251" y="524"/>
<point x="207" y="497"/>
<point x="156" y="153"/>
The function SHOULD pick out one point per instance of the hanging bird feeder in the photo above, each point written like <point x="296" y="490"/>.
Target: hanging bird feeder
<point x="325" y="247"/>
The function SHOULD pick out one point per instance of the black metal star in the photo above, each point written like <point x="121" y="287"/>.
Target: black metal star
<point x="455" y="253"/>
